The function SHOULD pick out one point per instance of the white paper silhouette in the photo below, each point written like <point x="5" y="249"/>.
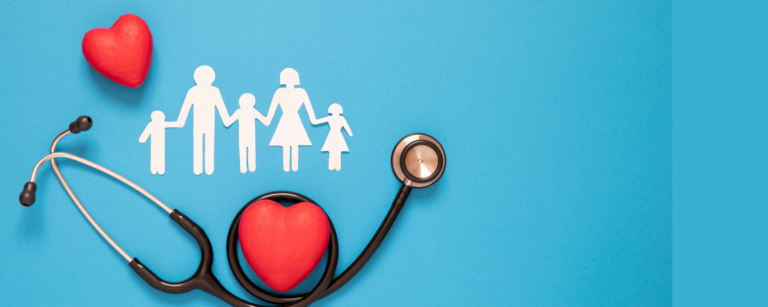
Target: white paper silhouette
<point x="290" y="133"/>
<point x="156" y="129"/>
<point x="334" y="143"/>
<point x="247" y="116"/>
<point x="206" y="99"/>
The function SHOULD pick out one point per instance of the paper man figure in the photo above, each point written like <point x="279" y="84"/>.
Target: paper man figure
<point x="156" y="129"/>
<point x="206" y="99"/>
<point x="247" y="116"/>
<point x="334" y="143"/>
<point x="290" y="133"/>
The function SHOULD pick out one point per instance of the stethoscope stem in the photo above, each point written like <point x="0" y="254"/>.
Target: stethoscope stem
<point x="80" y="205"/>
<point x="102" y="169"/>
<point x="72" y="195"/>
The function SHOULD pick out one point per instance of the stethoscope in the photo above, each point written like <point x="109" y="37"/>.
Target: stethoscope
<point x="418" y="161"/>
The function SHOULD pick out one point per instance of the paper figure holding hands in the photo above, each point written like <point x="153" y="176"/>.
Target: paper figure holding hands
<point x="156" y="129"/>
<point x="247" y="116"/>
<point x="290" y="133"/>
<point x="334" y="143"/>
<point x="206" y="99"/>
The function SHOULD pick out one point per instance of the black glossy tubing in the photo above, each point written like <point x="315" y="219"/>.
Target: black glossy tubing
<point x="237" y="270"/>
<point x="389" y="220"/>
<point x="204" y="279"/>
<point x="338" y="282"/>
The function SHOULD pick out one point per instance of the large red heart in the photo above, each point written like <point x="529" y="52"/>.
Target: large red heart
<point x="283" y="245"/>
<point x="121" y="53"/>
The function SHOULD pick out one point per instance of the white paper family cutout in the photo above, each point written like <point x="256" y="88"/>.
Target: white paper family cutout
<point x="156" y="129"/>
<point x="334" y="143"/>
<point x="247" y="116"/>
<point x="290" y="132"/>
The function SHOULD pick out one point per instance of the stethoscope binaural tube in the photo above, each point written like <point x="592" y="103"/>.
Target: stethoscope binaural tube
<point x="418" y="160"/>
<point x="203" y="277"/>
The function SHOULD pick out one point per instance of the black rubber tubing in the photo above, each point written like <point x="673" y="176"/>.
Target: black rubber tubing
<point x="336" y="283"/>
<point x="204" y="279"/>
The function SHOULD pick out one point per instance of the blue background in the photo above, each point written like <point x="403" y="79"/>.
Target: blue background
<point x="556" y="117"/>
<point x="720" y="108"/>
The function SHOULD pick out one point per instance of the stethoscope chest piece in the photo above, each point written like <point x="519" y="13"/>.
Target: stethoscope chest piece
<point x="418" y="158"/>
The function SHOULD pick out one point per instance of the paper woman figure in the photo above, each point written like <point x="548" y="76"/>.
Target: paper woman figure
<point x="156" y="129"/>
<point x="290" y="133"/>
<point x="247" y="116"/>
<point x="334" y="143"/>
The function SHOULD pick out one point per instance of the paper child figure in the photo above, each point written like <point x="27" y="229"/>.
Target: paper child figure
<point x="334" y="143"/>
<point x="206" y="99"/>
<point x="290" y="133"/>
<point x="247" y="116"/>
<point x="156" y="129"/>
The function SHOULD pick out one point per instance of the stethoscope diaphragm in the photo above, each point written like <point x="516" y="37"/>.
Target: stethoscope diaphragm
<point x="418" y="160"/>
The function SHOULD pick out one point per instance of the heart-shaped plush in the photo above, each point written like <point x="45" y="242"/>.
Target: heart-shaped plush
<point x="121" y="53"/>
<point x="283" y="245"/>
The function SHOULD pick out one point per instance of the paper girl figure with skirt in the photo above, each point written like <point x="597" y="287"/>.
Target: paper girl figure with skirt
<point x="334" y="143"/>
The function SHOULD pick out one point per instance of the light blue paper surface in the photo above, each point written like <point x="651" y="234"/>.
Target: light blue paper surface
<point x="556" y="118"/>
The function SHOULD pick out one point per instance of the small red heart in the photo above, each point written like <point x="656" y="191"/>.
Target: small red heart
<point x="121" y="53"/>
<point x="283" y="245"/>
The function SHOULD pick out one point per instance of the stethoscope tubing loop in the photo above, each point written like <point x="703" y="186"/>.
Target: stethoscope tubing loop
<point x="335" y="283"/>
<point x="248" y="285"/>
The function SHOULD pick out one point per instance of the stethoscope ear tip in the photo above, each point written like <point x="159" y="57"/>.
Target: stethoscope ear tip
<point x="82" y="123"/>
<point x="27" y="196"/>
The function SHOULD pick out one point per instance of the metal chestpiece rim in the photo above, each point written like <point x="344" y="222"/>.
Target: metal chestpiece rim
<point x="401" y="150"/>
